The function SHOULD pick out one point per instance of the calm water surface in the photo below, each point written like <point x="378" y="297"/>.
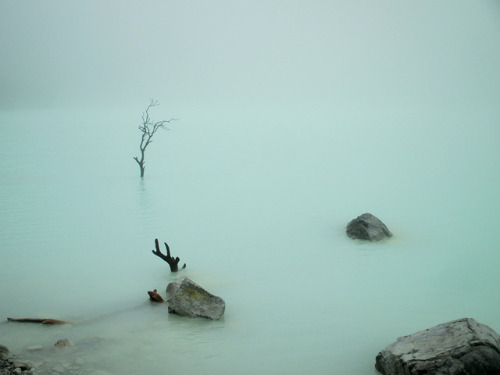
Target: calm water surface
<point x="256" y="207"/>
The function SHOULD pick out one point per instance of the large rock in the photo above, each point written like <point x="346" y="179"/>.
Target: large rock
<point x="367" y="227"/>
<point x="186" y="298"/>
<point x="460" y="347"/>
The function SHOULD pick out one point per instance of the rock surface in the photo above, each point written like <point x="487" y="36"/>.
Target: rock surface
<point x="459" y="347"/>
<point x="186" y="298"/>
<point x="367" y="227"/>
<point x="9" y="365"/>
<point x="4" y="353"/>
<point x="63" y="343"/>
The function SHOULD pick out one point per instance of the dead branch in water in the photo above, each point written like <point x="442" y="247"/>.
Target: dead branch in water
<point x="37" y="320"/>
<point x="173" y="263"/>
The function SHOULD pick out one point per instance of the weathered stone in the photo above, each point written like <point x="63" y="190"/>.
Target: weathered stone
<point x="186" y="298"/>
<point x="21" y="365"/>
<point x="10" y="365"/>
<point x="367" y="227"/>
<point x="63" y="343"/>
<point x="459" y="347"/>
<point x="4" y="352"/>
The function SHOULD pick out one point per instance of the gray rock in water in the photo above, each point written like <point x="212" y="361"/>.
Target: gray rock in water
<point x="460" y="347"/>
<point x="63" y="343"/>
<point x="186" y="298"/>
<point x="4" y="353"/>
<point x="367" y="227"/>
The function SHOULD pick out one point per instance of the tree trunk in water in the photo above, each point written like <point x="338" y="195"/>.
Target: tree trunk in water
<point x="141" y="164"/>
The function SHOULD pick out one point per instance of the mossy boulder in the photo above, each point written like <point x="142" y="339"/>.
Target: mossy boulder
<point x="186" y="298"/>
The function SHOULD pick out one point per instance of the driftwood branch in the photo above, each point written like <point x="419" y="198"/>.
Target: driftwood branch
<point x="36" y="320"/>
<point x="173" y="263"/>
<point x="154" y="296"/>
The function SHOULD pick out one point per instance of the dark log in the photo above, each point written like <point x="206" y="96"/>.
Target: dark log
<point x="37" y="320"/>
<point x="173" y="263"/>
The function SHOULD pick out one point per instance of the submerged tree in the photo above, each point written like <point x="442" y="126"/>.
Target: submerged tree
<point x="148" y="129"/>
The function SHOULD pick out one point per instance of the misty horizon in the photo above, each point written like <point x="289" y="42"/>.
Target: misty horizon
<point x="224" y="54"/>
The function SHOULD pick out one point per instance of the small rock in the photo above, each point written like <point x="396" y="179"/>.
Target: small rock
<point x="63" y="343"/>
<point x="4" y="352"/>
<point x="367" y="227"/>
<point x="22" y="365"/>
<point x="154" y="296"/>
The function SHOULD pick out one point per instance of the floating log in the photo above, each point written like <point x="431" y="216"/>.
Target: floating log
<point x="38" y="320"/>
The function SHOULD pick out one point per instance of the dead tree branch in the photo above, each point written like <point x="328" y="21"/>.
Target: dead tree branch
<point x="173" y="263"/>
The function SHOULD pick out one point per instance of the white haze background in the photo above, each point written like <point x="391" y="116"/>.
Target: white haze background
<point x="294" y="118"/>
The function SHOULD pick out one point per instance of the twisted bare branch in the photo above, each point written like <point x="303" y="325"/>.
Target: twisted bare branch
<point x="173" y="263"/>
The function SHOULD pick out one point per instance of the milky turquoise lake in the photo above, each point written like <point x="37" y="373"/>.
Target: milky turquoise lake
<point x="256" y="204"/>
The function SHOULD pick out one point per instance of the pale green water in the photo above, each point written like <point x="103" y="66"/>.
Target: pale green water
<point x="256" y="206"/>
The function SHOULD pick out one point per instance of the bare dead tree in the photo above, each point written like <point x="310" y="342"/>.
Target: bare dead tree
<point x="173" y="263"/>
<point x="148" y="129"/>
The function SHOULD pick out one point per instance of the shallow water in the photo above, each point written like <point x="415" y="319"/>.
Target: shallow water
<point x="256" y="205"/>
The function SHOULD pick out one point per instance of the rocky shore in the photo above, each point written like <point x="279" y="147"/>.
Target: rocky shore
<point x="10" y="365"/>
<point x="55" y="359"/>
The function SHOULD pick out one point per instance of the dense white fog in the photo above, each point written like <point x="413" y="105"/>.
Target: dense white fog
<point x="292" y="118"/>
<point x="336" y="53"/>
